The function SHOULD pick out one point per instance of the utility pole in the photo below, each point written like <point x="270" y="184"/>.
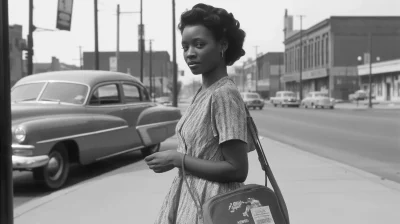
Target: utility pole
<point x="301" y="58"/>
<point x="257" y="70"/>
<point x="96" y="38"/>
<point x="6" y="183"/>
<point x="279" y="71"/>
<point x="80" y="57"/>
<point x="370" y="69"/>
<point x="141" y="40"/>
<point x="150" y="69"/>
<point x="30" y="39"/>
<point x="141" y="43"/>
<point x="175" y="72"/>
<point x="117" y="53"/>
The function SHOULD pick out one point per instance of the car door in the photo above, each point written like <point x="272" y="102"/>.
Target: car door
<point x="136" y="99"/>
<point x="112" y="134"/>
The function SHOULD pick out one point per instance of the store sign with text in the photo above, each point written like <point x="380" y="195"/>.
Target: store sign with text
<point x="64" y="14"/>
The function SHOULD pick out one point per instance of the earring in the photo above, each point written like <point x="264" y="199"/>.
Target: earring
<point x="222" y="54"/>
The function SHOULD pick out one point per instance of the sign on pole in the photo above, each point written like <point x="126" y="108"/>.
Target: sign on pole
<point x="113" y="64"/>
<point x="64" y="14"/>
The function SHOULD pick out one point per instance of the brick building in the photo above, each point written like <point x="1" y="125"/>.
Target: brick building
<point x="129" y="62"/>
<point x="16" y="47"/>
<point x="271" y="69"/>
<point x="330" y="52"/>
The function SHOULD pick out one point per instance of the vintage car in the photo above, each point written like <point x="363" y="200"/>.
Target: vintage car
<point x="59" y="118"/>
<point x="318" y="100"/>
<point x="285" y="98"/>
<point x="252" y="100"/>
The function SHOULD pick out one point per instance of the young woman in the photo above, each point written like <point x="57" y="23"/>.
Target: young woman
<point x="212" y="133"/>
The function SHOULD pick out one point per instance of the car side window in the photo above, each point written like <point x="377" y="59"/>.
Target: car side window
<point x="105" y="95"/>
<point x="131" y="93"/>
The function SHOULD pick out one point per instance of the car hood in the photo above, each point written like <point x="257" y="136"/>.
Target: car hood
<point x="27" y="111"/>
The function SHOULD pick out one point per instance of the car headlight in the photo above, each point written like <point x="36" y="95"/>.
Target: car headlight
<point x="19" y="134"/>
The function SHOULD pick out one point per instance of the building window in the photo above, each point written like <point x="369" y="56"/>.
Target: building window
<point x="327" y="50"/>
<point x="322" y="52"/>
<point x="305" y="55"/>
<point x="312" y="54"/>
<point x="316" y="53"/>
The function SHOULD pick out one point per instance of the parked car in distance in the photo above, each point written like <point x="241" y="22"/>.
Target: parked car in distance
<point x="164" y="100"/>
<point x="252" y="100"/>
<point x="360" y="95"/>
<point x="318" y="100"/>
<point x="59" y="118"/>
<point x="285" y="98"/>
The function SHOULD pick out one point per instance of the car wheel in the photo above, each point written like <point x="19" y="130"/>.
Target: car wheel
<point x="55" y="173"/>
<point x="150" y="150"/>
<point x="331" y="107"/>
<point x="274" y="105"/>
<point x="261" y="108"/>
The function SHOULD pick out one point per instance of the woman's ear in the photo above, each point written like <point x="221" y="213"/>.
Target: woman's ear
<point x="224" y="45"/>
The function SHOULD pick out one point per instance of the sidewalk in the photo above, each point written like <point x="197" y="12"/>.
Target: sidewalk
<point x="362" y="105"/>
<point x="316" y="190"/>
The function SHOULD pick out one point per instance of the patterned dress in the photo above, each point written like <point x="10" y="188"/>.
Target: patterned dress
<point x="216" y="114"/>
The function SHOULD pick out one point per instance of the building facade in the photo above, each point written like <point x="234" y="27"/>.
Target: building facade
<point x="326" y="55"/>
<point x="16" y="47"/>
<point x="270" y="69"/>
<point x="385" y="79"/>
<point x="129" y="62"/>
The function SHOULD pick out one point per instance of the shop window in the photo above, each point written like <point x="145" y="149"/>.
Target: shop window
<point x="380" y="89"/>
<point x="322" y="52"/>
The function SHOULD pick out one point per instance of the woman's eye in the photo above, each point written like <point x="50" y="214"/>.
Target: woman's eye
<point x="199" y="45"/>
<point x="185" y="48"/>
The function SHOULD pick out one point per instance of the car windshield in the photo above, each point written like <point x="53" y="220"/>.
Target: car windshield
<point x="321" y="95"/>
<point x="252" y="96"/>
<point x="289" y="94"/>
<point x="55" y="91"/>
<point x="28" y="92"/>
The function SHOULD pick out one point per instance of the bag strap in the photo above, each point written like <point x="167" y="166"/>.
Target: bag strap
<point x="266" y="167"/>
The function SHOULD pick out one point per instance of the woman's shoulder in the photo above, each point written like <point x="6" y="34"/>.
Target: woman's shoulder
<point x="227" y="89"/>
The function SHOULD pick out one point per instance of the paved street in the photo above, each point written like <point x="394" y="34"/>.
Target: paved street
<point x="366" y="139"/>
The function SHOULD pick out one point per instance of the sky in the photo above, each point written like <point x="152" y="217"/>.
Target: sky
<point x="262" y="20"/>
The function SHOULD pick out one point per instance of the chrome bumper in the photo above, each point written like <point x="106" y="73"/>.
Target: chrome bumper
<point x="22" y="157"/>
<point x="23" y="162"/>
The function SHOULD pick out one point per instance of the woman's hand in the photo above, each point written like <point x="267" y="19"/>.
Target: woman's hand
<point x="164" y="161"/>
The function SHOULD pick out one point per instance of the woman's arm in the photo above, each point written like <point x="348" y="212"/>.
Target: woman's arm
<point x="233" y="169"/>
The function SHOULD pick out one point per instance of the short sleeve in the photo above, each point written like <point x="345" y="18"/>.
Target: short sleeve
<point x="228" y="115"/>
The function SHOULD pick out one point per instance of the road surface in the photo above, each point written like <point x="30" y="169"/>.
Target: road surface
<point x="365" y="139"/>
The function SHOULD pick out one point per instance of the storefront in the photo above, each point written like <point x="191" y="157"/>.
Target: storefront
<point x="385" y="80"/>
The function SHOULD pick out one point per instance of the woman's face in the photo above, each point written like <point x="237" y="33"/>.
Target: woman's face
<point x="201" y="51"/>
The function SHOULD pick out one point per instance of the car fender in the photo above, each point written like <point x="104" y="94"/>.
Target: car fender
<point x="156" y="124"/>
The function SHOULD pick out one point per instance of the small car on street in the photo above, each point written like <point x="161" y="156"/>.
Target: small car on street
<point x="318" y="100"/>
<point x="285" y="98"/>
<point x="252" y="100"/>
<point x="60" y="118"/>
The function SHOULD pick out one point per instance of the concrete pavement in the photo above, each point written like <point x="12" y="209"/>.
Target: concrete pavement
<point x="317" y="190"/>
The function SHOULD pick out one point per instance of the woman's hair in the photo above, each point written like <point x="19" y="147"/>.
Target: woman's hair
<point x="222" y="25"/>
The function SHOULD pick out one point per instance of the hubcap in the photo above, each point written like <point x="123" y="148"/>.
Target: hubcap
<point x="55" y="167"/>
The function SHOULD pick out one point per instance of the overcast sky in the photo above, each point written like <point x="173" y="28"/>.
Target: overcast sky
<point x="262" y="20"/>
